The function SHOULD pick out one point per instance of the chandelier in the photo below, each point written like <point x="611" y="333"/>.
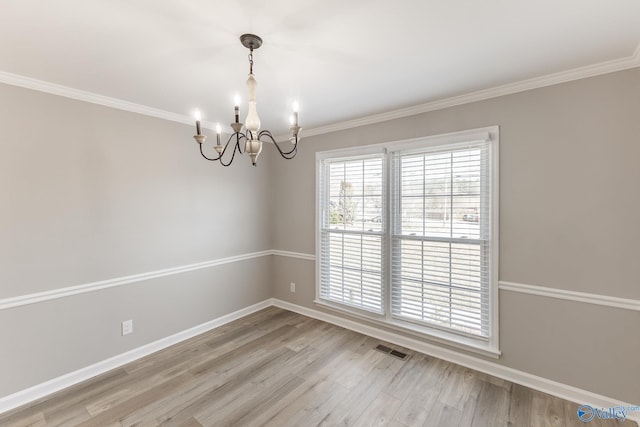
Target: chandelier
<point x="252" y="135"/>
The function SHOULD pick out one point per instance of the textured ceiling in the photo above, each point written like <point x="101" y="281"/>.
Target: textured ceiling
<point x="341" y="59"/>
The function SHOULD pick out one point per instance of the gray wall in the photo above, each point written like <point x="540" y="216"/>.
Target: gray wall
<point x="569" y="204"/>
<point x="90" y="193"/>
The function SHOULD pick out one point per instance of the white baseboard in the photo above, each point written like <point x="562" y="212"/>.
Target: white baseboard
<point x="39" y="391"/>
<point x="528" y="380"/>
<point x="535" y="382"/>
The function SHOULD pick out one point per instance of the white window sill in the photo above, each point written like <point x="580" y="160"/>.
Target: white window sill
<point x="480" y="347"/>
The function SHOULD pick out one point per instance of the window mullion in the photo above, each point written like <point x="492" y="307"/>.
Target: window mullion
<point x="450" y="236"/>
<point x="388" y="203"/>
<point x="362" y="240"/>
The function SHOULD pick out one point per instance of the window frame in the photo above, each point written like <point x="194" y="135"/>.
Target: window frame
<point x="488" y="346"/>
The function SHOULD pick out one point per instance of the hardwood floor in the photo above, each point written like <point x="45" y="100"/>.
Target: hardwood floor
<point x="277" y="368"/>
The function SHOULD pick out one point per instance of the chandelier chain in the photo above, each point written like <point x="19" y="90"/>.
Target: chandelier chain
<point x="251" y="61"/>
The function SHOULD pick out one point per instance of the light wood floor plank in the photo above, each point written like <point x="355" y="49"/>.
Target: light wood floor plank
<point x="278" y="368"/>
<point x="222" y="394"/>
<point x="415" y="408"/>
<point x="520" y="406"/>
<point x="379" y="412"/>
<point x="442" y="414"/>
<point x="492" y="407"/>
<point x="263" y="380"/>
<point x="114" y="414"/>
<point x="34" y="420"/>
<point x="361" y="395"/>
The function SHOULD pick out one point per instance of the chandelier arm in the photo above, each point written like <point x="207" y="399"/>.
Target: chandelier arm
<point x="227" y="164"/>
<point x="295" y="147"/>
<point x="291" y="154"/>
<point x="228" y="141"/>
<point x="286" y="154"/>
<point x="208" y="158"/>
<point x="239" y="137"/>
<point x="233" y="154"/>
<point x="236" y="147"/>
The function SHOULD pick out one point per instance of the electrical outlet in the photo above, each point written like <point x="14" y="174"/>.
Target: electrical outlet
<point x="127" y="327"/>
<point x="293" y="287"/>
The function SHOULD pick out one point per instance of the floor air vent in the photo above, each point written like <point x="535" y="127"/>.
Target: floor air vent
<point x="395" y="353"/>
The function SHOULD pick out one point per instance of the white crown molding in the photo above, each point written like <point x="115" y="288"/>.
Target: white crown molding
<point x="94" y="98"/>
<point x="507" y="89"/>
<point x="120" y="281"/>
<point x="611" y="66"/>
<point x="545" y="385"/>
<point x="604" y="300"/>
<point x="39" y="391"/>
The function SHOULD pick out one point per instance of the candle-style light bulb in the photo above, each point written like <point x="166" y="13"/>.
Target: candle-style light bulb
<point x="198" y="116"/>
<point x="295" y="113"/>
<point x="218" y="132"/>
<point x="236" y="108"/>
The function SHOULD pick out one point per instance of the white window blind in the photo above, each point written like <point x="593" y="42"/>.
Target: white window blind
<point x="440" y="262"/>
<point x="410" y="235"/>
<point x="351" y="232"/>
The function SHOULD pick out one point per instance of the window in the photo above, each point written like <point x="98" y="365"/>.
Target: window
<point x="351" y="233"/>
<point x="407" y="235"/>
